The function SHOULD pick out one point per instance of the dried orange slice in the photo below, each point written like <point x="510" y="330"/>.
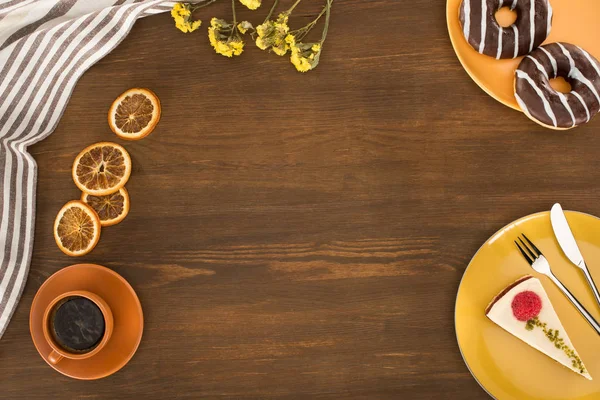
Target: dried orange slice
<point x="134" y="114"/>
<point x="111" y="209"/>
<point x="76" y="228"/>
<point x="102" y="168"/>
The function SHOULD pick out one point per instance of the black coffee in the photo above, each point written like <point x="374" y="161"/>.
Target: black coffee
<point x="77" y="324"/>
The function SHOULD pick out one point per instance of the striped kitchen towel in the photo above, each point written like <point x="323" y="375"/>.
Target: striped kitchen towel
<point x="45" y="46"/>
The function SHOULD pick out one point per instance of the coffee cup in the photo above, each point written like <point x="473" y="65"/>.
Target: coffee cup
<point x="77" y="309"/>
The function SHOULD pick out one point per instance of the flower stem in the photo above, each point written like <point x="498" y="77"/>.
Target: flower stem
<point x="302" y="32"/>
<point x="234" y="16"/>
<point x="275" y="3"/>
<point x="326" y="28"/>
<point x="234" y="27"/>
<point x="293" y="6"/>
<point x="198" y="6"/>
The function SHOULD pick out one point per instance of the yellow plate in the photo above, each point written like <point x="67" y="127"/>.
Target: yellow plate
<point x="575" y="21"/>
<point x="504" y="366"/>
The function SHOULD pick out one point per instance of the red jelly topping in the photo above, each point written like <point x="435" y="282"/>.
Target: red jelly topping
<point x="526" y="305"/>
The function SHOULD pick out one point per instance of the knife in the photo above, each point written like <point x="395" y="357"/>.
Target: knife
<point x="567" y="243"/>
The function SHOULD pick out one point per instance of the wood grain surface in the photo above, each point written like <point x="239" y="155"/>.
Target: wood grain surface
<point x="298" y="236"/>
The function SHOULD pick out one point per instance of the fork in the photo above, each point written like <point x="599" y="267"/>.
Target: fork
<point x="540" y="264"/>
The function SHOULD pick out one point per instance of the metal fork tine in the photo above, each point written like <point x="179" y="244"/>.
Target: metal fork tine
<point x="539" y="253"/>
<point x="528" y="250"/>
<point x="527" y="257"/>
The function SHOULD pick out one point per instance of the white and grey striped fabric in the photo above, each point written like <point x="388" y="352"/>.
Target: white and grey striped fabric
<point x="45" y="46"/>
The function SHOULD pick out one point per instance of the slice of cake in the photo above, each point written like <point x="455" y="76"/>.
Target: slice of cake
<point x="524" y="310"/>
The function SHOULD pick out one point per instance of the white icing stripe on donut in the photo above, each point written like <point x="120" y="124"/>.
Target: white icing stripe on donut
<point x="467" y="10"/>
<point x="523" y="106"/>
<point x="483" y="25"/>
<point x="552" y="60"/>
<point x="591" y="60"/>
<point x="575" y="73"/>
<point x="499" y="54"/>
<point x="547" y="107"/>
<point x="516" y="41"/>
<point x="594" y="64"/>
<point x="568" y="55"/>
<point x="563" y="100"/>
<point x="531" y="25"/>
<point x="549" y="24"/>
<point x="587" y="112"/>
<point x="539" y="66"/>
<point x="514" y="4"/>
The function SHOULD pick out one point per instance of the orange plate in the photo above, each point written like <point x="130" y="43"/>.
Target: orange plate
<point x="504" y="366"/>
<point x="124" y="304"/>
<point x="575" y="21"/>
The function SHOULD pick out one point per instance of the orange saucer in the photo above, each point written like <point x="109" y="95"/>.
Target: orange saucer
<point x="125" y="307"/>
<point x="574" y="21"/>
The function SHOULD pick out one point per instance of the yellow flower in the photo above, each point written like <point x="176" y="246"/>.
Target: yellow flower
<point x="182" y="15"/>
<point x="237" y="46"/>
<point x="181" y="10"/>
<point x="290" y="40"/>
<point x="305" y="57"/>
<point x="220" y="35"/>
<point x="300" y="63"/>
<point x="271" y="34"/>
<point x="251" y="4"/>
<point x="260" y="43"/>
<point x="280" y="50"/>
<point x="244" y="26"/>
<point x="230" y="48"/>
<point x="195" y="25"/>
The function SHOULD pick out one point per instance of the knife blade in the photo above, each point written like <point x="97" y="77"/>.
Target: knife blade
<point x="565" y="237"/>
<point x="569" y="246"/>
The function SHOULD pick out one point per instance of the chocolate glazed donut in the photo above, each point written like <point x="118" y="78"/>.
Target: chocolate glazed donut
<point x="484" y="34"/>
<point x="548" y="107"/>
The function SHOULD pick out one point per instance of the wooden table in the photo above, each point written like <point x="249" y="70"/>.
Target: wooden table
<point x="299" y="236"/>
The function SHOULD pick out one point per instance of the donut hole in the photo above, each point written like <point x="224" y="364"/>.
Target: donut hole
<point x="506" y="17"/>
<point x="560" y="84"/>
